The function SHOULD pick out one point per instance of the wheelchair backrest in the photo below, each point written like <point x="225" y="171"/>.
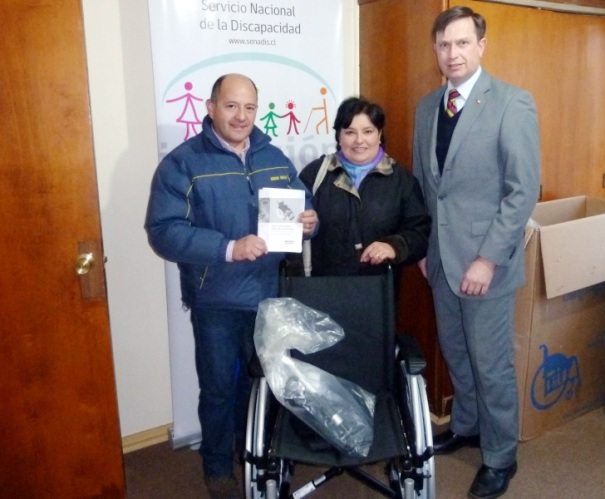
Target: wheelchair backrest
<point x="364" y="307"/>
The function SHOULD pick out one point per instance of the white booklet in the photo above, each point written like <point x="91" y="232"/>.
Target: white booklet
<point x="278" y="218"/>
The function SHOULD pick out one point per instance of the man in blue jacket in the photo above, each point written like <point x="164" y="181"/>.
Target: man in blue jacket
<point x="203" y="215"/>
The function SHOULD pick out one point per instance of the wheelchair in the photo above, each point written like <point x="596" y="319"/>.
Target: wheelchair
<point x="371" y="355"/>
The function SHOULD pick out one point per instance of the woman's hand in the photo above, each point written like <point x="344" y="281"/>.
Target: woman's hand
<point x="377" y="253"/>
<point x="309" y="220"/>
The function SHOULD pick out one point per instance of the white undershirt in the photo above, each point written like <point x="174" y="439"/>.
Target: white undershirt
<point x="464" y="89"/>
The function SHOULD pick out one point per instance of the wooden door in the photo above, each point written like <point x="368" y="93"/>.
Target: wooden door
<point x="525" y="47"/>
<point x="397" y="67"/>
<point x="59" y="430"/>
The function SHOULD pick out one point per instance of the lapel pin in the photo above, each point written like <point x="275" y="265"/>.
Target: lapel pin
<point x="478" y="101"/>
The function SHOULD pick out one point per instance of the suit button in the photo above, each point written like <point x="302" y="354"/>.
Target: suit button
<point x="441" y="197"/>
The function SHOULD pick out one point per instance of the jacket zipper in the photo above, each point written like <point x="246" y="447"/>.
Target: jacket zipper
<point x="203" y="277"/>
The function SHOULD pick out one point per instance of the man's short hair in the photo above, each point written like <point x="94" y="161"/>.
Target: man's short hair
<point x="455" y="13"/>
<point x="216" y="88"/>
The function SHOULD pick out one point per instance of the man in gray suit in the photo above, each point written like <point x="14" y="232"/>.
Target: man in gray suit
<point x="477" y="158"/>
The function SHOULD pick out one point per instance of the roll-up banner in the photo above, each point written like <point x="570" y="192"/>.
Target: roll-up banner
<point x="293" y="51"/>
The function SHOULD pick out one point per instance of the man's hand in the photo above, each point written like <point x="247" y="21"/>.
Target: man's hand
<point x="422" y="266"/>
<point x="309" y="220"/>
<point x="249" y="248"/>
<point x="478" y="277"/>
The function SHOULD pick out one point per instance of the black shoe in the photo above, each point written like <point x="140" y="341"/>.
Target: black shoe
<point x="448" y="442"/>
<point x="223" y="487"/>
<point x="490" y="483"/>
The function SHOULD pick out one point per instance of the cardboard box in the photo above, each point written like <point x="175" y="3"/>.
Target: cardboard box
<point x="560" y="315"/>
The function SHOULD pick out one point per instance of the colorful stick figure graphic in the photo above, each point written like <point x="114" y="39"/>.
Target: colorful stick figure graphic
<point x="293" y="120"/>
<point x="323" y="108"/>
<point x="189" y="115"/>
<point x="270" y="125"/>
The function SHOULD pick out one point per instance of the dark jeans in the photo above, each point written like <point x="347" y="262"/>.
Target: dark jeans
<point x="223" y="348"/>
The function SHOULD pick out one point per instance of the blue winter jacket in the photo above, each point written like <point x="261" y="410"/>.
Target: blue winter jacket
<point x="202" y="196"/>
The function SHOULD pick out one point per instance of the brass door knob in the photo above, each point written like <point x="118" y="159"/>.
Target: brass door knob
<point x="84" y="263"/>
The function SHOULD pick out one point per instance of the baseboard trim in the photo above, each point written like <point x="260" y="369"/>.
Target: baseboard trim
<point x="146" y="438"/>
<point x="163" y="433"/>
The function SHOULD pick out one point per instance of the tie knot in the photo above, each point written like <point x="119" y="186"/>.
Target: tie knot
<point x="453" y="94"/>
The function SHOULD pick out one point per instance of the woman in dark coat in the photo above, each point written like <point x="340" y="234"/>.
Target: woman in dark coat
<point x="370" y="207"/>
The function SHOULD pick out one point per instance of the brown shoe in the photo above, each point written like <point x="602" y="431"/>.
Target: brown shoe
<point x="223" y="487"/>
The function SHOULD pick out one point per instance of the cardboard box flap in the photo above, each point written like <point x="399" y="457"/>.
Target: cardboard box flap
<point x="594" y="206"/>
<point x="573" y="255"/>
<point x="560" y="210"/>
<point x="530" y="229"/>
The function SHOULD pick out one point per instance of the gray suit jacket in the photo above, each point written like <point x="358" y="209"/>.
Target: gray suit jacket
<point x="490" y="182"/>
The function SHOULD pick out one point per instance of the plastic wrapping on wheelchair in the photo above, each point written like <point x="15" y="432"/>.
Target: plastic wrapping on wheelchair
<point x="293" y="439"/>
<point x="364" y="307"/>
<point x="339" y="410"/>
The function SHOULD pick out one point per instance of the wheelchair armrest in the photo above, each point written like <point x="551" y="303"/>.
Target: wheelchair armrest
<point x="409" y="352"/>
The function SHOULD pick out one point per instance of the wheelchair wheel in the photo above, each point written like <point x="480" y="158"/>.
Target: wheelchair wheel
<point x="264" y="477"/>
<point x="424" y="434"/>
<point x="420" y="481"/>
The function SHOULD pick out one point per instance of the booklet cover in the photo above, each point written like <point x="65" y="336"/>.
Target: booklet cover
<point x="278" y="219"/>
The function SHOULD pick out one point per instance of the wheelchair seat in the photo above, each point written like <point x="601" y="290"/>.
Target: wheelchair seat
<point x="367" y="356"/>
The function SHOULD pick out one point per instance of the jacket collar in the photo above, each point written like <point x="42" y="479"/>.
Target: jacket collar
<point x="343" y="181"/>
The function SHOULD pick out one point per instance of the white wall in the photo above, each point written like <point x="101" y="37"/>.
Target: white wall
<point x="123" y="120"/>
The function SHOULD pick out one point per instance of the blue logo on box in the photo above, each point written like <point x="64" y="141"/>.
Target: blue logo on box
<point x="558" y="376"/>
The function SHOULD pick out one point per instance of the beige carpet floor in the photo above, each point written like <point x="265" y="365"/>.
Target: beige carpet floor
<point x="567" y="462"/>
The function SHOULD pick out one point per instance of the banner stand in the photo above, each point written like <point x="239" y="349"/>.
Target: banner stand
<point x="295" y="55"/>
